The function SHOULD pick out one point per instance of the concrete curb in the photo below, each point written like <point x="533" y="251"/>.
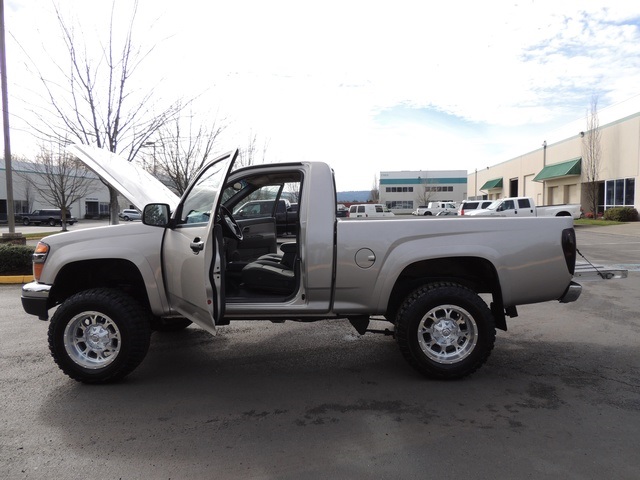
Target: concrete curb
<point x="15" y="279"/>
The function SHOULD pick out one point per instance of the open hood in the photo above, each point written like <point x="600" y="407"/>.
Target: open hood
<point x="131" y="181"/>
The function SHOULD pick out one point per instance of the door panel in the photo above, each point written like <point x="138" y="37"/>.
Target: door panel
<point x="191" y="251"/>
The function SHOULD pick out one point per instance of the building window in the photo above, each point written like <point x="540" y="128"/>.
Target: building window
<point x="620" y="192"/>
<point x="400" y="204"/>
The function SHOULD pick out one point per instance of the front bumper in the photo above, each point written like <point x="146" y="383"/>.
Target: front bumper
<point x="35" y="299"/>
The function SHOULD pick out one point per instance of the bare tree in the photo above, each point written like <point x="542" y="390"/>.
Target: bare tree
<point x="591" y="157"/>
<point x="424" y="194"/>
<point x="252" y="154"/>
<point x="91" y="99"/>
<point x="182" y="149"/>
<point x="59" y="178"/>
<point x="374" y="193"/>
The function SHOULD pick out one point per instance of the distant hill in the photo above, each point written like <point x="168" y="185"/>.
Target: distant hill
<point x="354" y="196"/>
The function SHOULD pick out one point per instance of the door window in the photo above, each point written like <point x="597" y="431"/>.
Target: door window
<point x="198" y="204"/>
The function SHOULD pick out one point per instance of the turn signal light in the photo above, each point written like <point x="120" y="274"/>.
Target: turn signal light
<point x="39" y="257"/>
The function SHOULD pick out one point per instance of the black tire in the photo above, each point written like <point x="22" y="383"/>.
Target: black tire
<point x="126" y="219"/>
<point x="427" y="214"/>
<point x="52" y="222"/>
<point x="170" y="324"/>
<point x="99" y="335"/>
<point x="445" y="330"/>
<point x="25" y="221"/>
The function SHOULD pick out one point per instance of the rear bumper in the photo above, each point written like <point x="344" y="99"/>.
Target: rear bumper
<point x="572" y="293"/>
<point x="35" y="299"/>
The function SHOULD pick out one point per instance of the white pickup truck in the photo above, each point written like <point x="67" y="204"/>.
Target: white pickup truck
<point x="525" y="207"/>
<point x="190" y="260"/>
<point x="434" y="208"/>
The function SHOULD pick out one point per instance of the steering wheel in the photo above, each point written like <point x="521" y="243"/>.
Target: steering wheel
<point x="229" y="224"/>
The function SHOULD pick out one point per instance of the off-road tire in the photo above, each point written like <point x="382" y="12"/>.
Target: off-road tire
<point x="99" y="335"/>
<point x="445" y="330"/>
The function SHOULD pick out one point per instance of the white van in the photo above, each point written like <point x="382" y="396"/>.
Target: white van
<point x="369" y="210"/>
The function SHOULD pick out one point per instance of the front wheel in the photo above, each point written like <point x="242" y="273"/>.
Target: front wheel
<point x="99" y="335"/>
<point x="25" y="221"/>
<point x="445" y="330"/>
<point x="52" y="222"/>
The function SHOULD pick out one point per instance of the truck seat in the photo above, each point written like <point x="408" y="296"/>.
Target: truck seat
<point x="272" y="272"/>
<point x="269" y="277"/>
<point x="286" y="258"/>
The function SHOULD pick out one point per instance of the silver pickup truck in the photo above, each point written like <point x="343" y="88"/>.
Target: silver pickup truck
<point x="190" y="260"/>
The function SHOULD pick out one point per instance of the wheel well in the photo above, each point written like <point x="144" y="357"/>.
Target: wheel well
<point x="563" y="214"/>
<point x="108" y="273"/>
<point x="475" y="273"/>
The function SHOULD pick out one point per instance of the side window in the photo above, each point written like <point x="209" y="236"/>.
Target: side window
<point x="523" y="203"/>
<point x="255" y="196"/>
<point x="352" y="209"/>
<point x="379" y="209"/>
<point x="360" y="208"/>
<point x="509" y="205"/>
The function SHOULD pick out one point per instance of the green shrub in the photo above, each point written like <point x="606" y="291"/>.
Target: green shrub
<point x="621" y="214"/>
<point x="15" y="259"/>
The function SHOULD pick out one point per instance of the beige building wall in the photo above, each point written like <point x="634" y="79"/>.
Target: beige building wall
<point x="620" y="159"/>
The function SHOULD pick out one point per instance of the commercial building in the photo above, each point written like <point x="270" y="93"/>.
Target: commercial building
<point x="555" y="173"/>
<point x="26" y="198"/>
<point x="404" y="191"/>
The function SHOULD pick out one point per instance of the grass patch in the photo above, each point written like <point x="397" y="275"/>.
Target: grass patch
<point x="598" y="222"/>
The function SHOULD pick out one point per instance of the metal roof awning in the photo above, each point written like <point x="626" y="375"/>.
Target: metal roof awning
<point x="564" y="169"/>
<point x="495" y="183"/>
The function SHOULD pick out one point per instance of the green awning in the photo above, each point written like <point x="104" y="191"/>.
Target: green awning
<point x="564" y="169"/>
<point x="495" y="183"/>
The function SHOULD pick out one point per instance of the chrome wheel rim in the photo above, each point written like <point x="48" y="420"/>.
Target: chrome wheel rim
<point x="447" y="334"/>
<point x="92" y="340"/>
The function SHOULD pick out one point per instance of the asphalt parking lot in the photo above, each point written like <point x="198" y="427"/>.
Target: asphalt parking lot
<point x="559" y="398"/>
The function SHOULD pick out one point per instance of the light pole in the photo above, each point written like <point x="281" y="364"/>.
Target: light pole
<point x="152" y="144"/>
<point x="5" y="123"/>
<point x="544" y="164"/>
<point x="475" y="193"/>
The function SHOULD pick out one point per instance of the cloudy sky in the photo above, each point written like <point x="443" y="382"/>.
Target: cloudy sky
<point x="369" y="86"/>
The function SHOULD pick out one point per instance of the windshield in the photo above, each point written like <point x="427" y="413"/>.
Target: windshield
<point x="494" y="205"/>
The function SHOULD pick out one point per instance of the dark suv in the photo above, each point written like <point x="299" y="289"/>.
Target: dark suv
<point x="51" y="217"/>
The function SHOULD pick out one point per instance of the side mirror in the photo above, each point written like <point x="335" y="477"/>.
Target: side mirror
<point x="156" y="214"/>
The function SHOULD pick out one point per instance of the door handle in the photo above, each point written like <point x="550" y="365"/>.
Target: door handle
<point x="197" y="245"/>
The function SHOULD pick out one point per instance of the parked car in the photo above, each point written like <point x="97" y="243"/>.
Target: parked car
<point x="433" y="208"/>
<point x="129" y="214"/>
<point x="342" y="210"/>
<point x="369" y="210"/>
<point x="469" y="205"/>
<point x="525" y="207"/>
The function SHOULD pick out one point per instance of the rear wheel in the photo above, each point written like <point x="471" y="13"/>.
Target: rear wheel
<point x="427" y="213"/>
<point x="25" y="221"/>
<point x="52" y="222"/>
<point x="99" y="335"/>
<point x="445" y="330"/>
